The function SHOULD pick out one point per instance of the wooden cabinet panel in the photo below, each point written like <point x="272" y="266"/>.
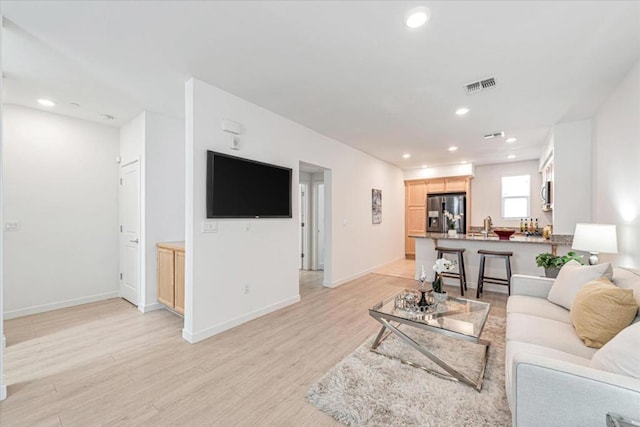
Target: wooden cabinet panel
<point x="416" y="220"/>
<point x="436" y="186"/>
<point x="179" y="282"/>
<point x="416" y="193"/>
<point x="171" y="275"/>
<point x="455" y="184"/>
<point x="166" y="274"/>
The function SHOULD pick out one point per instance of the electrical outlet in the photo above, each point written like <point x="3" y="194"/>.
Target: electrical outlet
<point x="209" y="227"/>
<point x="247" y="226"/>
<point x="247" y="288"/>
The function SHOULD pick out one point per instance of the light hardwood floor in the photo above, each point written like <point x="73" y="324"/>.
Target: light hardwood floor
<point x="108" y="364"/>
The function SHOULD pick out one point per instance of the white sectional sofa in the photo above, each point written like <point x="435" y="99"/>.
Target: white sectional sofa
<point x="549" y="380"/>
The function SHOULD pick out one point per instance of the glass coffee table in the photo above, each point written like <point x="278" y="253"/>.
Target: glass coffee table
<point x="457" y="318"/>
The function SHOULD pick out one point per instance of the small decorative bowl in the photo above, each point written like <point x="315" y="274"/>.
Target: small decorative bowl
<point x="504" y="234"/>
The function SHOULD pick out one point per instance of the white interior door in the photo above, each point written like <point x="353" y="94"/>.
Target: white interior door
<point x="320" y="224"/>
<point x="304" y="225"/>
<point x="130" y="232"/>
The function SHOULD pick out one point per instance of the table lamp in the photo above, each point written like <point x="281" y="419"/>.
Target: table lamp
<point x="595" y="238"/>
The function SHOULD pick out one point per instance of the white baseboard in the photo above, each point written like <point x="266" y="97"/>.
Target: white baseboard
<point x="221" y="327"/>
<point x="3" y="392"/>
<point x="151" y="307"/>
<point x="57" y="305"/>
<point x="355" y="276"/>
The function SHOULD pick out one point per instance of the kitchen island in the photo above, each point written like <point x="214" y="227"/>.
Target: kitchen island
<point x="523" y="260"/>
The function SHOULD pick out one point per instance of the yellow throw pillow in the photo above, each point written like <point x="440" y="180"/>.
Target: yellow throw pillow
<point x="600" y="310"/>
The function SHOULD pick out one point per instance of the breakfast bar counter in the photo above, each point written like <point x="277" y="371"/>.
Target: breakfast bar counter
<point x="523" y="260"/>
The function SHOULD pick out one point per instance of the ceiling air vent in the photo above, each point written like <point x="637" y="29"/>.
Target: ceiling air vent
<point x="494" y="135"/>
<point x="479" y="86"/>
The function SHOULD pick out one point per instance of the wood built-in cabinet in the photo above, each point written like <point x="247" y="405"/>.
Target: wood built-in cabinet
<point x="171" y="275"/>
<point x="416" y="192"/>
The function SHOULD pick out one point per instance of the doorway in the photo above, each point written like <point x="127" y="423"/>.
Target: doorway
<point x="313" y="226"/>
<point x="130" y="232"/>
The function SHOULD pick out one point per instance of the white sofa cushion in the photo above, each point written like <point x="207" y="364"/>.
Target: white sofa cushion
<point x="515" y="347"/>
<point x="621" y="355"/>
<point x="628" y="278"/>
<point x="547" y="333"/>
<point x="572" y="277"/>
<point x="537" y="307"/>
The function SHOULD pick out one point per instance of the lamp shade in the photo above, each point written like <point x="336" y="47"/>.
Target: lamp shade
<point x="595" y="238"/>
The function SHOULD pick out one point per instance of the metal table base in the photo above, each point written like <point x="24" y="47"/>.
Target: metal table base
<point x="387" y="329"/>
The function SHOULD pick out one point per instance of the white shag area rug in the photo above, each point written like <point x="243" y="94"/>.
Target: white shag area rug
<point x="367" y="389"/>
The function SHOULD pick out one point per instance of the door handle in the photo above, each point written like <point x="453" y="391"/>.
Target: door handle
<point x="134" y="241"/>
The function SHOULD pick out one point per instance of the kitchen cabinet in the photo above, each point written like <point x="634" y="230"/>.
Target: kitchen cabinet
<point x="455" y="185"/>
<point x="171" y="275"/>
<point x="436" y="186"/>
<point x="416" y="192"/>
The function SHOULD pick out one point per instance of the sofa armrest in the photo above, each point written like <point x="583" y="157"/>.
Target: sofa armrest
<point x="533" y="286"/>
<point x="548" y="391"/>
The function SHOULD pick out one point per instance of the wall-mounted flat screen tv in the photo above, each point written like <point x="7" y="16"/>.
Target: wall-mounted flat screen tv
<point x="242" y="188"/>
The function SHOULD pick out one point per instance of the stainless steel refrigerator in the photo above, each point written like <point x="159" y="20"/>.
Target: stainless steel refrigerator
<point x="453" y="203"/>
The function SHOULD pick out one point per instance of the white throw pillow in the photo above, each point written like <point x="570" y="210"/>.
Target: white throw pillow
<point x="620" y="355"/>
<point x="572" y="277"/>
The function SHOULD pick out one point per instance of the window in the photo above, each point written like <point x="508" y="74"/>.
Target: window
<point x="516" y="191"/>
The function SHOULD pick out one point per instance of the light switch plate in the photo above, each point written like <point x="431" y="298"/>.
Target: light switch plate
<point x="11" y="226"/>
<point x="209" y="227"/>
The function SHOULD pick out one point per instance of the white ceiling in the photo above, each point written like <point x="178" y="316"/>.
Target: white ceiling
<point x="349" y="70"/>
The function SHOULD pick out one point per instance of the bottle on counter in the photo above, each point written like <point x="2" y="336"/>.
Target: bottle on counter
<point x="537" y="226"/>
<point x="531" y="225"/>
<point x="522" y="225"/>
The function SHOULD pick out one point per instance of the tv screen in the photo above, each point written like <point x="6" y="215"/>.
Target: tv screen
<point x="241" y="188"/>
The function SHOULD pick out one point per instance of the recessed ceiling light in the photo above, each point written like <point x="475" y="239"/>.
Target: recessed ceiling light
<point x="406" y="155"/>
<point x="417" y="17"/>
<point x="511" y="139"/>
<point x="453" y="148"/>
<point x="511" y="156"/>
<point x="46" y="102"/>
<point x="462" y="111"/>
<point x="424" y="166"/>
<point x="464" y="162"/>
<point x="107" y="116"/>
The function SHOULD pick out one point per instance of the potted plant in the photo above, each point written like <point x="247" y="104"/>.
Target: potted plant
<point x="552" y="263"/>
<point x="441" y="265"/>
<point x="452" y="219"/>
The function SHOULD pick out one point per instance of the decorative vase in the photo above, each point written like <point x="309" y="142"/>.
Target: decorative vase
<point x="423" y="300"/>
<point x="453" y="233"/>
<point x="551" y="272"/>
<point x="440" y="296"/>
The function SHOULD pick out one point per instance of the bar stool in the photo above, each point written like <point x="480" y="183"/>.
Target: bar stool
<point x="498" y="281"/>
<point x="461" y="273"/>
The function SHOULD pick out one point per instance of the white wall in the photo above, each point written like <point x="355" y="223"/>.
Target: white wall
<point x="267" y="256"/>
<point x="158" y="142"/>
<point x="486" y="191"/>
<point x="164" y="193"/>
<point x="61" y="185"/>
<point x="3" y="387"/>
<point x="617" y="168"/>
<point x="572" y="175"/>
